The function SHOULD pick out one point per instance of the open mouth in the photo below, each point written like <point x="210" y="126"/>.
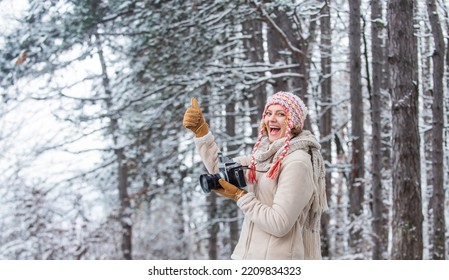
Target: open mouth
<point x="275" y="130"/>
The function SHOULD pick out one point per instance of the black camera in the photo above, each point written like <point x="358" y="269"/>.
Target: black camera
<point x="228" y="170"/>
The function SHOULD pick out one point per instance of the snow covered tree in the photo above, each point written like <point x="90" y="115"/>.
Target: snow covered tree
<point x="357" y="183"/>
<point x="95" y="163"/>
<point x="437" y="201"/>
<point x="379" y="190"/>
<point x="407" y="200"/>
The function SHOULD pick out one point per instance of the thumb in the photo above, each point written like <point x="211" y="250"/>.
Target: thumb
<point x="225" y="184"/>
<point x="195" y="104"/>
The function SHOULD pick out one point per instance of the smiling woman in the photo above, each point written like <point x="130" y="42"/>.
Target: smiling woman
<point x="275" y="122"/>
<point x="286" y="192"/>
<point x="283" y="117"/>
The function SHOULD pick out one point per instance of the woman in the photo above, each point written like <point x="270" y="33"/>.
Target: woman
<point x="286" y="192"/>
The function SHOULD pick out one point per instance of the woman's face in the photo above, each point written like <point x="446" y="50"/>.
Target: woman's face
<point x="275" y="122"/>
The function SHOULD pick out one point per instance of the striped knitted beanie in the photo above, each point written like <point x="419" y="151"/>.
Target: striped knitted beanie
<point x="296" y="112"/>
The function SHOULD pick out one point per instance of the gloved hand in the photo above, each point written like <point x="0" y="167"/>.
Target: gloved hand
<point x="229" y="190"/>
<point x="194" y="120"/>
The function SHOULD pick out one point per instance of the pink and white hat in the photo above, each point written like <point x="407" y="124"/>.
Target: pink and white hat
<point x="296" y="114"/>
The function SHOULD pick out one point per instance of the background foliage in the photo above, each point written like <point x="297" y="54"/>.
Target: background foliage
<point x="95" y="163"/>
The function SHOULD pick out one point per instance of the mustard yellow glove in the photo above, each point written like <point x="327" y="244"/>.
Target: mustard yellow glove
<point x="229" y="190"/>
<point x="194" y="120"/>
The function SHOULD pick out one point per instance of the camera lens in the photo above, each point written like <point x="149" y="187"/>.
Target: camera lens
<point x="209" y="182"/>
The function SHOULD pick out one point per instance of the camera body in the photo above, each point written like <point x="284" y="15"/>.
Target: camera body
<point x="228" y="170"/>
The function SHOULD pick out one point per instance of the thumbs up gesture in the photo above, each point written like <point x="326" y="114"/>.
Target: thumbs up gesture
<point x="194" y="120"/>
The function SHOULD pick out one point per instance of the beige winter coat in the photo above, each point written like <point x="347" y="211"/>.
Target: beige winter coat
<point x="277" y="213"/>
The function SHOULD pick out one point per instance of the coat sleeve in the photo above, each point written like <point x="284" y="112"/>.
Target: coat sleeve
<point x="208" y="151"/>
<point x="294" y="191"/>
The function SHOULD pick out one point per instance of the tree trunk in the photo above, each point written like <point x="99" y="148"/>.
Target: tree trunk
<point x="340" y="204"/>
<point x="326" y="119"/>
<point x="232" y="151"/>
<point x="211" y="199"/>
<point x="255" y="54"/>
<point x="213" y="226"/>
<point x="300" y="85"/>
<point x="379" y="224"/>
<point x="356" y="188"/>
<point x="125" y="205"/>
<point x="124" y="210"/>
<point x="407" y="207"/>
<point x="424" y="46"/>
<point x="386" y="137"/>
<point x="438" y="194"/>
<point x="276" y="47"/>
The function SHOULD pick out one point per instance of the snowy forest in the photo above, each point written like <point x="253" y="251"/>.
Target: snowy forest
<point x="96" y="164"/>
